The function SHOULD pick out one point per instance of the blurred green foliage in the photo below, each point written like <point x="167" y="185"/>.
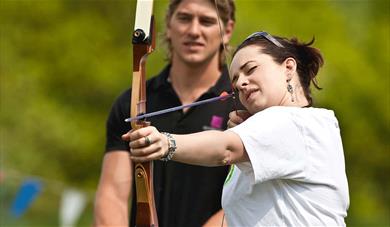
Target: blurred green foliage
<point x="63" y="62"/>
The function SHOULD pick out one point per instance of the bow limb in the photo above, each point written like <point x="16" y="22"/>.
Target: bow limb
<point x="143" y="44"/>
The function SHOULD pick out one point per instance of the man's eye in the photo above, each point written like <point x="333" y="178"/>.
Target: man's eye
<point x="183" y="18"/>
<point x="208" y="22"/>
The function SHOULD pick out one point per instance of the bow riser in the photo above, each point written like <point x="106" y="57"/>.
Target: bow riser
<point x="138" y="96"/>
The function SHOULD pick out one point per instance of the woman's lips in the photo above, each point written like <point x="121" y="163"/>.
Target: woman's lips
<point x="250" y="95"/>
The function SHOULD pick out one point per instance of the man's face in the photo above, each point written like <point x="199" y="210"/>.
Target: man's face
<point x="194" y="32"/>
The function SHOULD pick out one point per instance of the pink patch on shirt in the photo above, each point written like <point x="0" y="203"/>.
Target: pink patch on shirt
<point x="216" y="122"/>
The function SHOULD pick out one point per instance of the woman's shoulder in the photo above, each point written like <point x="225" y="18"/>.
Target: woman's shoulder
<point x="273" y="116"/>
<point x="288" y="110"/>
<point x="284" y="114"/>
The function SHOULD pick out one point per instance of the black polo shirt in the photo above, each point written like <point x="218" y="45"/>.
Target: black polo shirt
<point x="186" y="195"/>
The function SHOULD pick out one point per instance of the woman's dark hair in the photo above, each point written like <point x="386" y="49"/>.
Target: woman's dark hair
<point x="309" y="59"/>
<point x="226" y="11"/>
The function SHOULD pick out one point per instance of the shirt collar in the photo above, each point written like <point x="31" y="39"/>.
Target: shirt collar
<point x="223" y="83"/>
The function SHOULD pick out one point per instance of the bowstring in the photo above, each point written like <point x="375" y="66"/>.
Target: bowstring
<point x="224" y="49"/>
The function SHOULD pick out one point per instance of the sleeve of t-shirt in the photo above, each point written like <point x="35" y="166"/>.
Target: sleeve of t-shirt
<point x="274" y="144"/>
<point x="115" y="125"/>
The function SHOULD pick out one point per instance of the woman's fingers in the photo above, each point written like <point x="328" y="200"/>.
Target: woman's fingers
<point x="139" y="133"/>
<point x="243" y="114"/>
<point x="148" y="153"/>
<point x="146" y="144"/>
<point x="142" y="141"/>
<point x="237" y="117"/>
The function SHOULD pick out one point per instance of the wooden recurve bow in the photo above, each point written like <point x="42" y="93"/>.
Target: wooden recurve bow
<point x="143" y="41"/>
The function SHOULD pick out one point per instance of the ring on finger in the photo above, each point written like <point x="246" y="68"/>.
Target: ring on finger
<point x="147" y="141"/>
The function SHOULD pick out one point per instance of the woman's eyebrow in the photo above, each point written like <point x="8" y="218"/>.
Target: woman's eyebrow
<point x="246" y="63"/>
<point x="241" y="68"/>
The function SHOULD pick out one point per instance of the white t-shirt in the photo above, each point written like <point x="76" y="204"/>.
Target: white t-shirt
<point x="296" y="174"/>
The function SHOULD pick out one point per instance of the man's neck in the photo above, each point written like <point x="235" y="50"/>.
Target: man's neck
<point x="191" y="81"/>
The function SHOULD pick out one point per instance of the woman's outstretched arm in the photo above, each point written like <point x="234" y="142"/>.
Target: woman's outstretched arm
<point x="207" y="148"/>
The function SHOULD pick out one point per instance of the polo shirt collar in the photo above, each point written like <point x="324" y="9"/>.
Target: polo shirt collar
<point x="223" y="83"/>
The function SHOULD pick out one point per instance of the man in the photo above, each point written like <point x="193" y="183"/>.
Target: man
<point x="185" y="195"/>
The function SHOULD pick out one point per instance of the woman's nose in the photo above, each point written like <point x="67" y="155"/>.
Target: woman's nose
<point x="241" y="82"/>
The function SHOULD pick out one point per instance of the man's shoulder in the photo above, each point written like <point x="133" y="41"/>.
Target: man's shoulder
<point x="124" y="96"/>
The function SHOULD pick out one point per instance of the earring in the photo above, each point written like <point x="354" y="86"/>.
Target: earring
<point x="290" y="90"/>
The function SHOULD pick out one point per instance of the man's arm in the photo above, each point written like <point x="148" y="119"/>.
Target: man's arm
<point x="114" y="189"/>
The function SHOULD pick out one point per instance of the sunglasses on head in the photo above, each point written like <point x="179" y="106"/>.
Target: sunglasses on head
<point x="264" y="35"/>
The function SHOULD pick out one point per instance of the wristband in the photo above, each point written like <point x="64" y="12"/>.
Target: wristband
<point x="171" y="147"/>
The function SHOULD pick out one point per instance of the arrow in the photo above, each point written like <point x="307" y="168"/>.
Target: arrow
<point x="223" y="96"/>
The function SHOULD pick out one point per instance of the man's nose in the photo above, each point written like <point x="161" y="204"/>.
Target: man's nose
<point x="194" y="29"/>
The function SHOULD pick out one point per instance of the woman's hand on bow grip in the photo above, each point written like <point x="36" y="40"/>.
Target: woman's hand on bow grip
<point x="237" y="117"/>
<point x="146" y="144"/>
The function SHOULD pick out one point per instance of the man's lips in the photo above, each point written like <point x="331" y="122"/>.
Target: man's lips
<point x="193" y="44"/>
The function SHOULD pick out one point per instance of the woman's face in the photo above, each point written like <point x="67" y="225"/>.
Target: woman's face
<point x="260" y="81"/>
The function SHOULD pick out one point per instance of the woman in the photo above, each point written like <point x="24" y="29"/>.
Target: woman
<point x="287" y="157"/>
